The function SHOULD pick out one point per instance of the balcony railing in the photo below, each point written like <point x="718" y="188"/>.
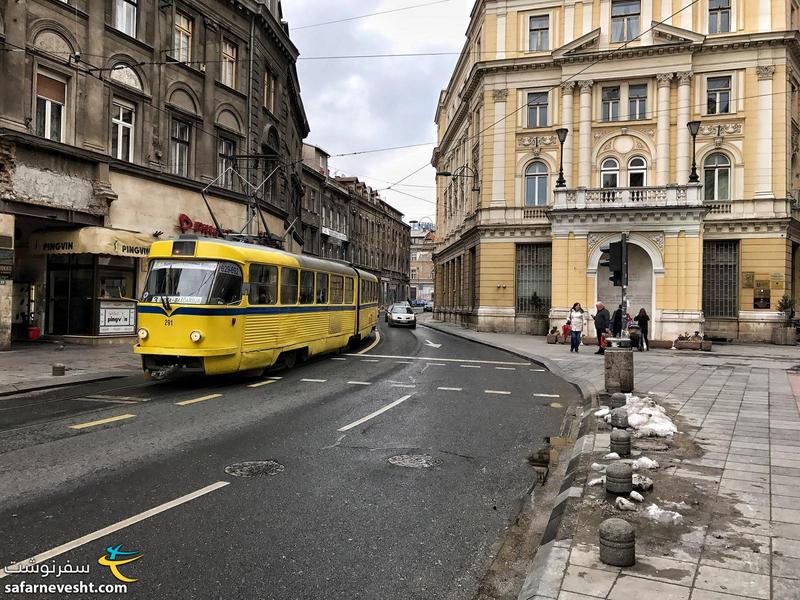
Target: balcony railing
<point x="632" y="197"/>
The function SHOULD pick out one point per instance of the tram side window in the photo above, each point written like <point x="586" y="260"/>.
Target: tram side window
<point x="337" y="289"/>
<point x="263" y="284"/>
<point x="227" y="288"/>
<point x="362" y="298"/>
<point x="306" y="287"/>
<point x="348" y="290"/>
<point x="322" y="288"/>
<point x="288" y="286"/>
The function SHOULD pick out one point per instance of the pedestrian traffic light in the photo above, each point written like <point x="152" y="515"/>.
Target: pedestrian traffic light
<point x="617" y="261"/>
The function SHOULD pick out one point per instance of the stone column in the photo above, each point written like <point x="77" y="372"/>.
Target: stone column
<point x="566" y="121"/>
<point x="684" y="159"/>
<point x="585" y="141"/>
<point x="763" y="171"/>
<point x="662" y="131"/>
<point x="499" y="148"/>
<point x="14" y="105"/>
<point x="93" y="100"/>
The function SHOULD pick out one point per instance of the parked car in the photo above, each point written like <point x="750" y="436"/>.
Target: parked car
<point x="401" y="315"/>
<point x="428" y="306"/>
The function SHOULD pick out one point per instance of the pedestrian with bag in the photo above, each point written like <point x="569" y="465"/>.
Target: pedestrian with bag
<point x="577" y="324"/>
<point x="602" y="319"/>
<point x="643" y="320"/>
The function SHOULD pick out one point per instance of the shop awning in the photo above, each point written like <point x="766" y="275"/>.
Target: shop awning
<point x="91" y="240"/>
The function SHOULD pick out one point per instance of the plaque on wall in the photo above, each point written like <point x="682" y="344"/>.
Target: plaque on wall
<point x="748" y="279"/>
<point x="776" y="281"/>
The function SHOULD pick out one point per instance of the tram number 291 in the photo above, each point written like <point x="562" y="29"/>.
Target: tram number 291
<point x="167" y="322"/>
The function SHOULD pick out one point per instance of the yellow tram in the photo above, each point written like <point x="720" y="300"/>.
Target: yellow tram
<point x="212" y="306"/>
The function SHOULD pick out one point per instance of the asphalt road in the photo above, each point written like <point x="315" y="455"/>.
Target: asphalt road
<point x="337" y="518"/>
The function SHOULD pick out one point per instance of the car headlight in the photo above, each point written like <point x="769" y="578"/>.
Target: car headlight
<point x="142" y="333"/>
<point x="196" y="336"/>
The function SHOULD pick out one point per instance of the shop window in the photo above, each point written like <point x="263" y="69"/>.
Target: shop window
<point x="51" y="98"/>
<point x="263" y="284"/>
<point x="719" y="16"/>
<point x="306" y="287"/>
<point x="123" y="117"/>
<point x="717" y="175"/>
<point x="536" y="184"/>
<point x="288" y="286"/>
<point x="125" y="16"/>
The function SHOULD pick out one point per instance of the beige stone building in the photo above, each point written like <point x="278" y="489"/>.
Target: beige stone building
<point x="624" y="77"/>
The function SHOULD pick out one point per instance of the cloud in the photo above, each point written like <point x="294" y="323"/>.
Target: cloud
<point x="364" y="104"/>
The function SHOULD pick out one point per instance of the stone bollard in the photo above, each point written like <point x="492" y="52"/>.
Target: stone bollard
<point x="618" y="400"/>
<point x="621" y="442"/>
<point x="59" y="370"/>
<point x="619" y="478"/>
<point x="619" y="418"/>
<point x="619" y="370"/>
<point x="617" y="543"/>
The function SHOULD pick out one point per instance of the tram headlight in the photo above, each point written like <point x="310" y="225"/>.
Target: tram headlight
<point x="196" y="336"/>
<point x="142" y="333"/>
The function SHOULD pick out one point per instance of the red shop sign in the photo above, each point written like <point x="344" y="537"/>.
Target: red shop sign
<point x="185" y="223"/>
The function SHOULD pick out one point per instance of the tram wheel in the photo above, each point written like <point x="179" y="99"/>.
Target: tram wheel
<point x="289" y="359"/>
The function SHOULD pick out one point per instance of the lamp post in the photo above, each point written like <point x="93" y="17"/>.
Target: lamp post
<point x="562" y="137"/>
<point x="459" y="172"/>
<point x="694" y="128"/>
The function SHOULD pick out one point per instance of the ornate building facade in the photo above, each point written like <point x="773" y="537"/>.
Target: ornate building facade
<point x="625" y="78"/>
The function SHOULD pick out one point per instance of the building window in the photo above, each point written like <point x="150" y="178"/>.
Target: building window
<point x="229" y="54"/>
<point x="533" y="278"/>
<point x="537" y="109"/>
<point x="536" y="184"/>
<point x="609" y="173"/>
<point x="51" y="96"/>
<point x="183" y="37"/>
<point x="611" y="103"/>
<point x="717" y="169"/>
<point x="180" y="146"/>
<point x="719" y="16"/>
<point x="625" y="20"/>
<point x="226" y="149"/>
<point x="718" y="95"/>
<point x="637" y="102"/>
<point x="539" y="33"/>
<point x="637" y="172"/>
<point x="721" y="279"/>
<point x="270" y="83"/>
<point x="123" y="117"/>
<point x="125" y="16"/>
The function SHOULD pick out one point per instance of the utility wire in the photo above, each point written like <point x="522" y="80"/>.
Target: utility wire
<point x="384" y="12"/>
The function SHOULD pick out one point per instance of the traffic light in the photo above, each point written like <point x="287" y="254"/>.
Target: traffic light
<point x="617" y="261"/>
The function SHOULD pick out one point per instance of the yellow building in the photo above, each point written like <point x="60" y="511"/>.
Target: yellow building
<point x="624" y="77"/>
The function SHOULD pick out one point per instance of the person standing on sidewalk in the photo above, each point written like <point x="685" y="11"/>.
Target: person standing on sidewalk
<point x="576" y="321"/>
<point x="617" y="321"/>
<point x="601" y="322"/>
<point x="643" y="319"/>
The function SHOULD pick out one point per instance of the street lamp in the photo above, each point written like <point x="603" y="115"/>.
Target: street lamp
<point x="694" y="128"/>
<point x="459" y="172"/>
<point x="562" y="137"/>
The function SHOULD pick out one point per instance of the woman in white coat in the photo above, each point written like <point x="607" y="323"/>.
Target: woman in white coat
<point x="577" y="321"/>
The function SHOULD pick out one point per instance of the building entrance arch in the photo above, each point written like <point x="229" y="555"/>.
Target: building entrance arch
<point x="641" y="285"/>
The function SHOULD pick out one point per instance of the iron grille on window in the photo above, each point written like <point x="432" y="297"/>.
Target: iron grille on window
<point x="721" y="278"/>
<point x="533" y="278"/>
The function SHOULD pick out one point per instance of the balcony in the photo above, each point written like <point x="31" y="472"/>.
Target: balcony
<point x="670" y="196"/>
<point x="753" y="208"/>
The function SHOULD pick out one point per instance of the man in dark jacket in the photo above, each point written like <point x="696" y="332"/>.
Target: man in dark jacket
<point x="601" y="322"/>
<point x="616" y="322"/>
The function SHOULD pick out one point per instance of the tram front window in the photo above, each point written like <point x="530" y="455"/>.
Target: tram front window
<point x="193" y="282"/>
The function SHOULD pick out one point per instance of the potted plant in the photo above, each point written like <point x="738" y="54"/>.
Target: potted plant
<point x="552" y="337"/>
<point x="785" y="334"/>
<point x="689" y="342"/>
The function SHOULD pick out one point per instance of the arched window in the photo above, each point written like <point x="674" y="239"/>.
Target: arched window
<point x="637" y="172"/>
<point x="717" y="168"/>
<point x="609" y="173"/>
<point x="536" y="184"/>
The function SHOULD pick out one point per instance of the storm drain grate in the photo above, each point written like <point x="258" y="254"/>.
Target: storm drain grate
<point x="255" y="468"/>
<point x="412" y="461"/>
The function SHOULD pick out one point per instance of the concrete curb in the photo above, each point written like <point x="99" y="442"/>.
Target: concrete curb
<point x="546" y="572"/>
<point x="56" y="382"/>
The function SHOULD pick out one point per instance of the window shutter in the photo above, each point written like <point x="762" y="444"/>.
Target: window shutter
<point x="49" y="88"/>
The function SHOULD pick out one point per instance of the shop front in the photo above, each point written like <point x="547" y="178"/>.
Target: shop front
<point x="91" y="280"/>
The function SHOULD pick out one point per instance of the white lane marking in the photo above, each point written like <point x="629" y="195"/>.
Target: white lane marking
<point x="458" y="360"/>
<point x="314" y="380"/>
<point x="497" y="392"/>
<point x="403" y="385"/>
<point x="404" y="362"/>
<point x="447" y="389"/>
<point x="369" y="360"/>
<point x="91" y="537"/>
<point x="538" y="370"/>
<point x="470" y="366"/>
<point x="337" y="358"/>
<point x="261" y="383"/>
<point x="506" y="368"/>
<point x="276" y="378"/>
<point x="359" y="383"/>
<point x="437" y="365"/>
<point x="430" y="344"/>
<point x="547" y="395"/>
<point x="371" y="346"/>
<point x="375" y="414"/>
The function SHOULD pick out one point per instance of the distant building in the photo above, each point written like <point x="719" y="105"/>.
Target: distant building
<point x="423" y="244"/>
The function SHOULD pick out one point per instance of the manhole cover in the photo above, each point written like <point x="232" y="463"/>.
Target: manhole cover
<point x="412" y="461"/>
<point x="255" y="468"/>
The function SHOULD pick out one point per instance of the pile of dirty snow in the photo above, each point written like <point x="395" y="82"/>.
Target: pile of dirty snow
<point x="648" y="418"/>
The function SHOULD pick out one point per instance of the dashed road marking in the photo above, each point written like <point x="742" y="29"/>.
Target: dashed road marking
<point x="498" y="392"/>
<point x="449" y="389"/>
<point x="555" y="405"/>
<point x="437" y="365"/>
<point x="375" y="414"/>
<point x="101" y="422"/>
<point x="261" y="383"/>
<point x="538" y="370"/>
<point x="547" y="395"/>
<point x="314" y="380"/>
<point x="403" y="385"/>
<point x="200" y="399"/>
<point x="506" y="368"/>
<point x="455" y="360"/>
<point x="276" y="378"/>
<point x="359" y="383"/>
<point x="372" y="360"/>
<point x="470" y="366"/>
<point x="404" y="362"/>
<point x="338" y="358"/>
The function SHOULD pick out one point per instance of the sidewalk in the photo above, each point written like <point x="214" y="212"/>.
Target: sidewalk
<point x="28" y="366"/>
<point x="733" y="473"/>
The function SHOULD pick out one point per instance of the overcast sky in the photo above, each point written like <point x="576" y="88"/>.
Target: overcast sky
<point x="369" y="103"/>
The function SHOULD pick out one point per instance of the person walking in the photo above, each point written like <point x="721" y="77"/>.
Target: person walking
<point x="602" y="320"/>
<point x="643" y="320"/>
<point x="577" y="323"/>
<point x="616" y="322"/>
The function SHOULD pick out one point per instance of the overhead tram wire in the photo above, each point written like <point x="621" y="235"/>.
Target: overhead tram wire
<point x="375" y="14"/>
<point x="570" y="78"/>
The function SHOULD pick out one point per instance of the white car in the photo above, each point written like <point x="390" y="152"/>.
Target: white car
<point x="401" y="315"/>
